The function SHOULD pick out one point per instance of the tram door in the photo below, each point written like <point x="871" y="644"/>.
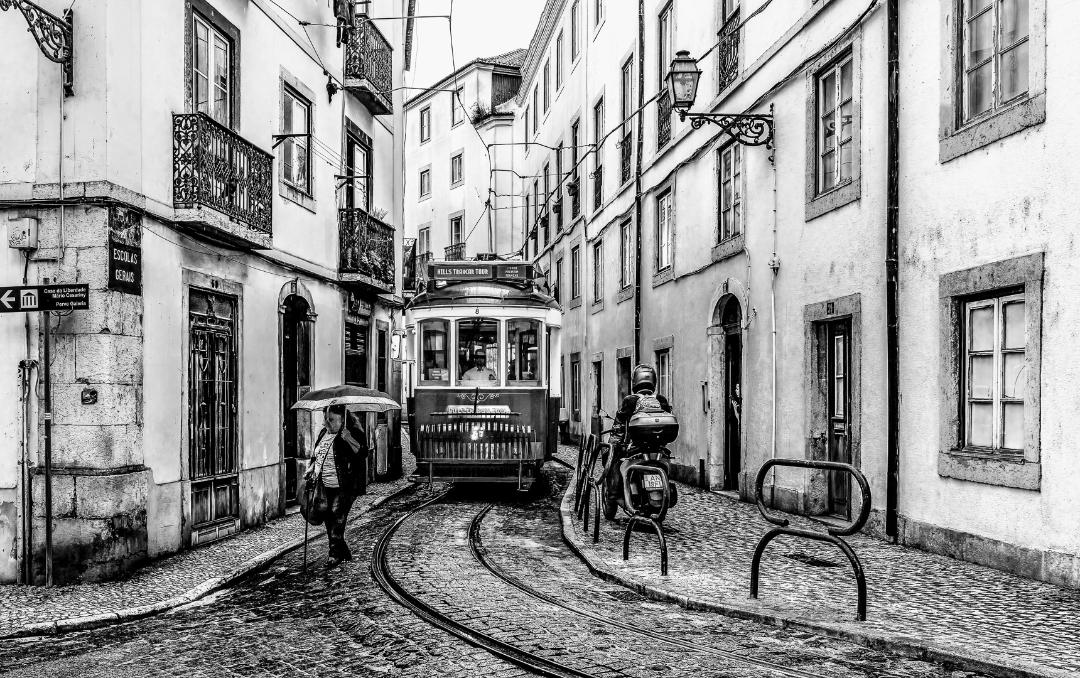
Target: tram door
<point x="839" y="442"/>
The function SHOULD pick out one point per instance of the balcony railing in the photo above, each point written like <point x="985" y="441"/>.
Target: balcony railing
<point x="216" y="168"/>
<point x="369" y="60"/>
<point x="663" y="120"/>
<point x="625" y="153"/>
<point x="598" y="187"/>
<point x="729" y="52"/>
<point x="367" y="249"/>
<point x="455" y="252"/>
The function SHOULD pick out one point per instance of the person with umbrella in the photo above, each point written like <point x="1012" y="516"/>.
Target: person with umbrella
<point x="338" y="471"/>
<point x="339" y="467"/>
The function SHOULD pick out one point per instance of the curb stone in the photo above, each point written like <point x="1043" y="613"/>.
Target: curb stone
<point x="903" y="644"/>
<point x="86" y="622"/>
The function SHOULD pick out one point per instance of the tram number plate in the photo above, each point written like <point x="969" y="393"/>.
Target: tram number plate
<point x="652" y="481"/>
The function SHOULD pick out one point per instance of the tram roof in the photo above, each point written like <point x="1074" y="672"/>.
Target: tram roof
<point x="484" y="293"/>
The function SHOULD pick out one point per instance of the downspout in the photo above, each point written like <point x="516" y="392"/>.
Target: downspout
<point x="892" y="282"/>
<point x="637" y="180"/>
<point x="774" y="265"/>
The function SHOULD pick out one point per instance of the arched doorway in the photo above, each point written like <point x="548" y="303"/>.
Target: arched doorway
<point x="731" y="322"/>
<point x="296" y="322"/>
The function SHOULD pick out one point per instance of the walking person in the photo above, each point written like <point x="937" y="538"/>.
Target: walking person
<point x="339" y="468"/>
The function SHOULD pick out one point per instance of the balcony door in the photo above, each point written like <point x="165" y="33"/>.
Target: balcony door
<point x="211" y="71"/>
<point x="838" y="445"/>
<point x="358" y="171"/>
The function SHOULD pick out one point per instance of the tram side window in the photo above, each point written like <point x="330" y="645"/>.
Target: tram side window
<point x="478" y="351"/>
<point x="435" y="352"/>
<point x="523" y="355"/>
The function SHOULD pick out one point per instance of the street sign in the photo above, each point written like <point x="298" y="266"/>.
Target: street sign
<point x="44" y="298"/>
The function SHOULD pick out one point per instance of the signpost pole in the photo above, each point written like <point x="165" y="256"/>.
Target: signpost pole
<point x="47" y="387"/>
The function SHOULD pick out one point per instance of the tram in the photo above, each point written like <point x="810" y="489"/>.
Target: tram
<point x="482" y="346"/>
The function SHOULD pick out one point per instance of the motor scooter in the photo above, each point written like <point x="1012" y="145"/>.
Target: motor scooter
<point x="637" y="467"/>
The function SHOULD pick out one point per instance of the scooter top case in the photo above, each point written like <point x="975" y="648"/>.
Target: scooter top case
<point x="653" y="429"/>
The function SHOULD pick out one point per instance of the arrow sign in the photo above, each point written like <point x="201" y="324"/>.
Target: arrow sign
<point x="44" y="298"/>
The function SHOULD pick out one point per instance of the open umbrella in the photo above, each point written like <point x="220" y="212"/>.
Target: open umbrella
<point x="357" y="399"/>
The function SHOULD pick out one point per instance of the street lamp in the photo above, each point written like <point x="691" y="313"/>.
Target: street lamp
<point x="751" y="129"/>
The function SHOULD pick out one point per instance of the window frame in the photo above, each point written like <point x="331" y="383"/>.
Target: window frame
<point x="835" y="99"/>
<point x="546" y="82"/>
<point x="626" y="254"/>
<point x="575" y="387"/>
<point x="288" y="91"/>
<point x="457" y="107"/>
<point x="460" y="157"/>
<point x="448" y="349"/>
<point x="557" y="287"/>
<point x="575" y="31"/>
<point x="459" y="219"/>
<point x="599" y="111"/>
<point x="662" y="356"/>
<point x="559" y="62"/>
<point x="355" y="138"/>
<point x="575" y="273"/>
<point x="424" y="172"/>
<point x="425" y="124"/>
<point x="956" y="139"/>
<point x="664" y="18"/>
<point x="994" y="61"/>
<point x="423" y="235"/>
<point x="661" y="264"/>
<point x="737" y="185"/>
<point x="598" y="271"/>
<point x="1019" y="469"/>
<point x="206" y="13"/>
<point x="818" y="202"/>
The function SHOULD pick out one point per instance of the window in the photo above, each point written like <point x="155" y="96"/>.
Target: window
<point x="664" y="53"/>
<point x="624" y="368"/>
<point x="478" y="351"/>
<point x="730" y="191"/>
<point x="535" y="112"/>
<point x="994" y="55"/>
<point x="358" y="169"/>
<point x="559" y="61"/>
<point x="456" y="171"/>
<point x="598" y="386"/>
<point x="547" y="86"/>
<point x="598" y="272"/>
<point x="357" y="328"/>
<point x="425" y="124"/>
<point x="575" y="20"/>
<point x="528" y="114"/>
<point x="211" y="71"/>
<point x="729" y="8"/>
<point x="575" y="382"/>
<point x="995" y="340"/>
<point x="663" y="373"/>
<point x="547" y="202"/>
<point x="382" y="351"/>
<point x="575" y="272"/>
<point x="835" y="102"/>
<point x="523" y="352"/>
<point x="598" y="143"/>
<point x="598" y="12"/>
<point x="457" y="113"/>
<point x="296" y="154"/>
<point x="574" y="129"/>
<point x="527" y="221"/>
<point x="664" y="217"/>
<point x="557" y="289"/>
<point x="626" y="254"/>
<point x="425" y="183"/>
<point x="434" y="352"/>
<point x="990" y="375"/>
<point x="457" y="230"/>
<point x="423" y="240"/>
<point x="627" y="107"/>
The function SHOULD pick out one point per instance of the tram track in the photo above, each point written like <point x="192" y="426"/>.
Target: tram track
<point x="480" y="554"/>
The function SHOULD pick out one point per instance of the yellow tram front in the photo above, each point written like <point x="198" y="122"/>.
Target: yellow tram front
<point x="483" y="350"/>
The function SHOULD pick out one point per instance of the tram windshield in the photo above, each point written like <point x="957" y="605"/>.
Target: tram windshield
<point x="435" y="352"/>
<point x="523" y="353"/>
<point x="478" y="351"/>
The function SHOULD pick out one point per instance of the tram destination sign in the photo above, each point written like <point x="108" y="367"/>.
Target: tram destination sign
<point x="480" y="270"/>
<point x="31" y="298"/>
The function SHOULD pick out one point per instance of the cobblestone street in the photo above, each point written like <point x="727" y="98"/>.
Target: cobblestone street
<point x="282" y="622"/>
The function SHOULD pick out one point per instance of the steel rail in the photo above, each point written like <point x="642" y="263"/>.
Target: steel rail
<point x="479" y="553"/>
<point x="380" y="571"/>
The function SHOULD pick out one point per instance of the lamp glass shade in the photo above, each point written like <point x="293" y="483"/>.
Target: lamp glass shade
<point x="683" y="80"/>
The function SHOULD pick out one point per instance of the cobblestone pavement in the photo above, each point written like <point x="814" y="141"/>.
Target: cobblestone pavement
<point x="162" y="580"/>
<point x="915" y="599"/>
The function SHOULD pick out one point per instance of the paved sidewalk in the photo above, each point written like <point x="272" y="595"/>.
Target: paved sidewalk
<point x="918" y="603"/>
<point x="172" y="581"/>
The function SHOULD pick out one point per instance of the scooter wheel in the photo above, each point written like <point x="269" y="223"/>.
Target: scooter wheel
<point x="610" y="506"/>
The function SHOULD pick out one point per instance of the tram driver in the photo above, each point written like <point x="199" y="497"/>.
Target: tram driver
<point x="479" y="371"/>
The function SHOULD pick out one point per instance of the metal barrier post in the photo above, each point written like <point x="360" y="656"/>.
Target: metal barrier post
<point x="834" y="533"/>
<point x="636" y="518"/>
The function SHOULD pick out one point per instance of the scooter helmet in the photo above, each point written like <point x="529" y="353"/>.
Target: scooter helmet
<point x="643" y="379"/>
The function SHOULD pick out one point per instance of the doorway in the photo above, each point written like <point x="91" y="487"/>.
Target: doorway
<point x="296" y="381"/>
<point x="731" y="321"/>
<point x="838" y="446"/>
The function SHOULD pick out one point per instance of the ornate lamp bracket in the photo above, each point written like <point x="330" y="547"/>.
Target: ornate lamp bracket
<point x="751" y="129"/>
<point x="53" y="36"/>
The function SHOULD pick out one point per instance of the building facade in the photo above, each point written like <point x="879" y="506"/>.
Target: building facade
<point x="456" y="132"/>
<point x="756" y="277"/>
<point x="226" y="181"/>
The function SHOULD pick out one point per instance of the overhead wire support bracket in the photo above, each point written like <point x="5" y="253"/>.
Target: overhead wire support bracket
<point x="54" y="36"/>
<point x="279" y="138"/>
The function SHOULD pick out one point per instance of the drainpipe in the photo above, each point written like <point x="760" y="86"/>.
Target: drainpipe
<point x="637" y="180"/>
<point x="26" y="371"/>
<point x="892" y="282"/>
<point x="774" y="265"/>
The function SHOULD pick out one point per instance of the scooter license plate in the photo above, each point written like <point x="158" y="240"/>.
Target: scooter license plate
<point x="652" y="481"/>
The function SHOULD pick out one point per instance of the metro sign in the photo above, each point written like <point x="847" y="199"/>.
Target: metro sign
<point x="44" y="298"/>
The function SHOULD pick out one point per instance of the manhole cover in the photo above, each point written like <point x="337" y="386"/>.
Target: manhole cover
<point x="812" y="561"/>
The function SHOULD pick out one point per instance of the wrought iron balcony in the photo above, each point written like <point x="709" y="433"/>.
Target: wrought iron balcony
<point x="663" y="120"/>
<point x="625" y="153"/>
<point x="369" y="67"/>
<point x="455" y="252"/>
<point x="729" y="52"/>
<point x="222" y="183"/>
<point x="367" y="249"/>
